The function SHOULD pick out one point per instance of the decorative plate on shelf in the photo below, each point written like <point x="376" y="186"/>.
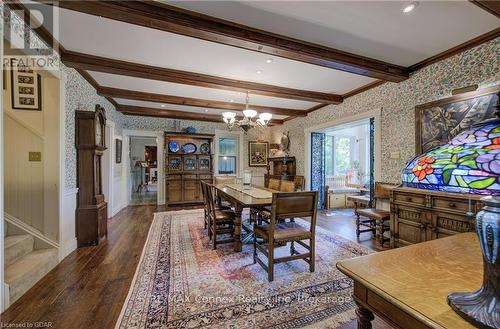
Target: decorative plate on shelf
<point x="173" y="146"/>
<point x="189" y="148"/>
<point x="205" y="148"/>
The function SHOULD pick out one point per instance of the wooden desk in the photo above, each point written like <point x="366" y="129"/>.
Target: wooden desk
<point x="241" y="200"/>
<point x="407" y="287"/>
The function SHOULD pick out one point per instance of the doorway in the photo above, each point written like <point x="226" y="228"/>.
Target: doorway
<point x="343" y="162"/>
<point x="143" y="170"/>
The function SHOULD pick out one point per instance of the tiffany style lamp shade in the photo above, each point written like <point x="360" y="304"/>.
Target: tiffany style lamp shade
<point x="470" y="163"/>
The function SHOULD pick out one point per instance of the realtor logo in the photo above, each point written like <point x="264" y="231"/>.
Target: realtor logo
<point x="24" y="23"/>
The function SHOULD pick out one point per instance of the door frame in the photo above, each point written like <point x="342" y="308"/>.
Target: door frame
<point x="376" y="114"/>
<point x="110" y="168"/>
<point x="127" y="133"/>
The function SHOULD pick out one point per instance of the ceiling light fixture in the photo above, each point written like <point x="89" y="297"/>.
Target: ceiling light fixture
<point x="206" y="110"/>
<point x="247" y="122"/>
<point x="259" y="72"/>
<point x="410" y="7"/>
<point x="162" y="105"/>
<point x="269" y="60"/>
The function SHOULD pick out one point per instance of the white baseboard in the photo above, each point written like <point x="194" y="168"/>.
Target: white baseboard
<point x="67" y="248"/>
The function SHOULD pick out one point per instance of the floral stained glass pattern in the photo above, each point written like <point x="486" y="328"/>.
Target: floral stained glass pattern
<point x="469" y="163"/>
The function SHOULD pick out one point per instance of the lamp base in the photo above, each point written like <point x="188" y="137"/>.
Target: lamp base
<point x="480" y="308"/>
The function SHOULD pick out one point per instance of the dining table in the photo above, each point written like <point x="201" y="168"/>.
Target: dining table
<point x="242" y="197"/>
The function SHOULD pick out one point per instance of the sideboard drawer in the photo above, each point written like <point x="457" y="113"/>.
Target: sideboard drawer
<point x="206" y="177"/>
<point x="415" y="199"/>
<point x="174" y="177"/>
<point x="451" y="204"/>
<point x="190" y="177"/>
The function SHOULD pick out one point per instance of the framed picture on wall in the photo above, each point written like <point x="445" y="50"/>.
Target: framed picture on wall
<point x="26" y="88"/>
<point x="436" y="123"/>
<point x="118" y="150"/>
<point x="258" y="153"/>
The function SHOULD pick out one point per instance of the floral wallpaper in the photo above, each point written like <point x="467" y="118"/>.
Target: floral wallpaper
<point x="397" y="101"/>
<point x="81" y="96"/>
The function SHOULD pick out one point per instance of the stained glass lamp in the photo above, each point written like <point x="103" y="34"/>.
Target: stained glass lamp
<point x="469" y="163"/>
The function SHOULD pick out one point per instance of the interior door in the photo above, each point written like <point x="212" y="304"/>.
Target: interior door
<point x="318" y="166"/>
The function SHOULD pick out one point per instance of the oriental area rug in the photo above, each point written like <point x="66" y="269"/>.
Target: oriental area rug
<point x="180" y="282"/>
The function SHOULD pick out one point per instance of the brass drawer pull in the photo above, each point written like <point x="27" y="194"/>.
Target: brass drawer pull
<point x="409" y="199"/>
<point x="452" y="205"/>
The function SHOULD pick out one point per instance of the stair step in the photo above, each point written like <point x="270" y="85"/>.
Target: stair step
<point x="28" y="270"/>
<point x="17" y="246"/>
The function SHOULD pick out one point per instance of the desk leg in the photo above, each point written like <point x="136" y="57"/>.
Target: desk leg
<point x="365" y="317"/>
<point x="237" y="227"/>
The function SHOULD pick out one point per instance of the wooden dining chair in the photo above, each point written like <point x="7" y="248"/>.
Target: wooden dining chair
<point x="278" y="232"/>
<point x="274" y="184"/>
<point x="287" y="186"/>
<point x="221" y="221"/>
<point x="376" y="220"/>
<point x="206" y="206"/>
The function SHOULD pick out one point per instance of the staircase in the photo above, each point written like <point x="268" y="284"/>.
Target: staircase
<point x="25" y="265"/>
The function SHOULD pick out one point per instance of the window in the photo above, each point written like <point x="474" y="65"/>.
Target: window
<point x="228" y="155"/>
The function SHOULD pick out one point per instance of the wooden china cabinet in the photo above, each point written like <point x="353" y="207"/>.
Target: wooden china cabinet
<point x="91" y="211"/>
<point x="188" y="160"/>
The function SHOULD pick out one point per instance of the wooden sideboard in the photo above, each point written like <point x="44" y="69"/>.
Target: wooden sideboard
<point x="184" y="171"/>
<point x="419" y="215"/>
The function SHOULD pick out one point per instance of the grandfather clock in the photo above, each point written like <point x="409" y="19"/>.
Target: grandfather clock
<point x="91" y="211"/>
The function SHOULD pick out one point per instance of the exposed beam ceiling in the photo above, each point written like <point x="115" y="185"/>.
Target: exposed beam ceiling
<point x="175" y="20"/>
<point x="107" y="65"/>
<point x="169" y="99"/>
<point x="174" y="114"/>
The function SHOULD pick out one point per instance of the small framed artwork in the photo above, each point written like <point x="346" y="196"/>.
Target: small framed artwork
<point x="438" y="122"/>
<point x="118" y="150"/>
<point x="26" y="89"/>
<point x="258" y="153"/>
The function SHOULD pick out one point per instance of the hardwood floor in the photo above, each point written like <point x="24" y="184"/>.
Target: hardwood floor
<point x="88" y="288"/>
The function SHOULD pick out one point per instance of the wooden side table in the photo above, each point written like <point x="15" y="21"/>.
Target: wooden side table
<point x="407" y="287"/>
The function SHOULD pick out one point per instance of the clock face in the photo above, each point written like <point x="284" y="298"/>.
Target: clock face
<point x="98" y="131"/>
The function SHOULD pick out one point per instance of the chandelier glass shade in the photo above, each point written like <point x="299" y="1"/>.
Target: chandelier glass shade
<point x="248" y="121"/>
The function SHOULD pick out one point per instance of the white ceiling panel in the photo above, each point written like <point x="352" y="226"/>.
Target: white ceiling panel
<point x="184" y="108"/>
<point x="168" y="88"/>
<point x="376" y="29"/>
<point x="128" y="42"/>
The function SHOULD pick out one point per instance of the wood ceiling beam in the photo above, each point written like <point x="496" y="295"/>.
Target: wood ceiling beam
<point x="107" y="65"/>
<point x="491" y="6"/>
<point x="173" y="114"/>
<point x="196" y="102"/>
<point x="176" y="20"/>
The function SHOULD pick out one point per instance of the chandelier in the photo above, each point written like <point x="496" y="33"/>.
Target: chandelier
<point x="248" y="120"/>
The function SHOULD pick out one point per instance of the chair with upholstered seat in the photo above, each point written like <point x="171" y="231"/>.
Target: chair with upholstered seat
<point x="376" y="220"/>
<point x="278" y="232"/>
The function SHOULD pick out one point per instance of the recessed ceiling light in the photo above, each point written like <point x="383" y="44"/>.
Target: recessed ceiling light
<point x="410" y="7"/>
<point x="269" y="60"/>
<point x="162" y="105"/>
<point x="258" y="71"/>
<point x="206" y="110"/>
<point x="231" y="100"/>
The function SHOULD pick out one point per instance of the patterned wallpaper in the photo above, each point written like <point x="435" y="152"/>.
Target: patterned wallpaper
<point x="80" y="95"/>
<point x="479" y="65"/>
